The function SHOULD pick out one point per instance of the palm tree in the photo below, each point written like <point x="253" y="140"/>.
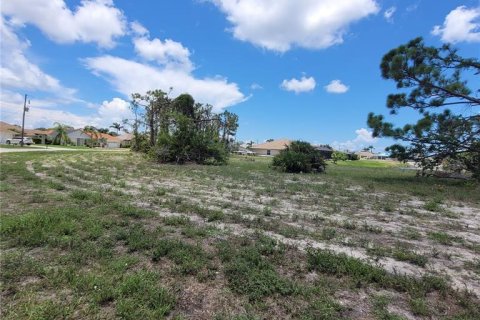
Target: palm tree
<point x="62" y="133"/>
<point x="93" y="133"/>
<point x="117" y="126"/>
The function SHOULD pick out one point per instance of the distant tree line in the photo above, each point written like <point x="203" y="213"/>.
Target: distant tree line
<point x="180" y="130"/>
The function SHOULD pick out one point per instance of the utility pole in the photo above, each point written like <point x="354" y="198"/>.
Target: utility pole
<point x="23" y="121"/>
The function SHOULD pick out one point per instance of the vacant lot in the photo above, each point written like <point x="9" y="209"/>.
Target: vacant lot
<point x="112" y="235"/>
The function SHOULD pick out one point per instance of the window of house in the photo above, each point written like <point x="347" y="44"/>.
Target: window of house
<point x="268" y="152"/>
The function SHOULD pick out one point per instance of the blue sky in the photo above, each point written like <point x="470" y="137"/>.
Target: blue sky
<point x="290" y="69"/>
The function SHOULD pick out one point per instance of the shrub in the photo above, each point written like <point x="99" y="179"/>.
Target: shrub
<point x="339" y="156"/>
<point x="300" y="156"/>
<point x="187" y="144"/>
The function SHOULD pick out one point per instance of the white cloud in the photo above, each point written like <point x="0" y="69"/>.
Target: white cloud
<point x="43" y="113"/>
<point x="303" y="85"/>
<point x="129" y="76"/>
<point x="363" y="135"/>
<point x="280" y="24"/>
<point x="336" y="86"/>
<point x="461" y="24"/>
<point x="138" y="29"/>
<point x="17" y="71"/>
<point x="255" y="86"/>
<point x="113" y="111"/>
<point x="168" y="53"/>
<point x="388" y="14"/>
<point x="96" y="21"/>
<point x="363" y="139"/>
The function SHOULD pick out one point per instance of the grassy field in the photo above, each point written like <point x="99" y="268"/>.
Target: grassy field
<point x="111" y="235"/>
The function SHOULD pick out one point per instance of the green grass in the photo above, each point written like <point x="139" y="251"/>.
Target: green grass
<point x="368" y="164"/>
<point x="250" y="273"/>
<point x="112" y="235"/>
<point x="363" y="273"/>
<point x="189" y="259"/>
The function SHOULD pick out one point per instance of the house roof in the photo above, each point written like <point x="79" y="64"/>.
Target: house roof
<point x="38" y="132"/>
<point x="125" y="136"/>
<point x="365" y="154"/>
<point x="273" y="145"/>
<point x="4" y="127"/>
<point x="105" y="136"/>
<point x="323" y="148"/>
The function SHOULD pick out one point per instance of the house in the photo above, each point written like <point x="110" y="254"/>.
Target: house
<point x="244" y="151"/>
<point x="110" y="141"/>
<point x="325" y="150"/>
<point x="78" y="137"/>
<point x="363" y="155"/>
<point x="271" y="148"/>
<point x="125" y="140"/>
<point x="104" y="140"/>
<point x="40" y="136"/>
<point x="8" y="131"/>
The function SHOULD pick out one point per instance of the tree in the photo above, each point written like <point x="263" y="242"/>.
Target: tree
<point x="184" y="104"/>
<point x="117" y="126"/>
<point x="62" y="133"/>
<point x="94" y="134"/>
<point x="229" y="126"/>
<point x="299" y="156"/>
<point x="434" y="79"/>
<point x="156" y="105"/>
<point x="339" y="156"/>
<point x="181" y="130"/>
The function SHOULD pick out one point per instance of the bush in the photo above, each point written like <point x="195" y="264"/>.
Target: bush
<point x="187" y="144"/>
<point x="339" y="156"/>
<point x="300" y="156"/>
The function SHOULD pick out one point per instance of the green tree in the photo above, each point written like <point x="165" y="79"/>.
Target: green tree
<point x="299" y="156"/>
<point x="117" y="126"/>
<point x="229" y="126"/>
<point x="156" y="106"/>
<point x="62" y="134"/>
<point x="182" y="130"/>
<point x="433" y="79"/>
<point x="93" y="133"/>
<point x="184" y="104"/>
<point x="339" y="156"/>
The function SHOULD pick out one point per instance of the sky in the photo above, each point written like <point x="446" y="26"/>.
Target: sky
<point x="304" y="69"/>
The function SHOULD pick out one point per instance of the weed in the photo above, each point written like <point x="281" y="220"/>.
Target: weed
<point x="189" y="259"/>
<point x="443" y="238"/>
<point x="419" y="307"/>
<point x="251" y="274"/>
<point x="328" y="233"/>
<point x="56" y="185"/>
<point x="433" y="205"/>
<point x="403" y="254"/>
<point x="380" y="304"/>
<point x="176" y="221"/>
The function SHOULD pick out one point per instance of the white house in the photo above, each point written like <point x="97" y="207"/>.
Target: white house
<point x="78" y="137"/>
<point x="8" y="131"/>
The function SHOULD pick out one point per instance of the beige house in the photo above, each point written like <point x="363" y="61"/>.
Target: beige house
<point x="270" y="148"/>
<point x="367" y="155"/>
<point x="363" y="155"/>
